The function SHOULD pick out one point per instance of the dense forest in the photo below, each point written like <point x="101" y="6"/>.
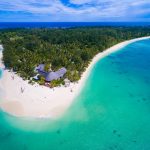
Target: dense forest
<point x="72" y="48"/>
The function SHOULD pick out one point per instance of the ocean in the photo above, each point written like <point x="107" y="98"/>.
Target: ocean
<point x="4" y="25"/>
<point x="110" y="113"/>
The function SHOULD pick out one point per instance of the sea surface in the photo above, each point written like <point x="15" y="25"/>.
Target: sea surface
<point x="4" y="25"/>
<point x="112" y="112"/>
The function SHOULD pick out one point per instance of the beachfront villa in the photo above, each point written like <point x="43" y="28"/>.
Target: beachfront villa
<point x="51" y="75"/>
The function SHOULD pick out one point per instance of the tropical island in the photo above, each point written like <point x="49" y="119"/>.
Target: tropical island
<point x="72" y="49"/>
<point x="35" y="59"/>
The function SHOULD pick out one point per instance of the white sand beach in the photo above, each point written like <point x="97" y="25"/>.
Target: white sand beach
<point x="21" y="99"/>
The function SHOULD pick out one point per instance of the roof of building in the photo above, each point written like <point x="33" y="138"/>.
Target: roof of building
<point x="43" y="73"/>
<point x="36" y="77"/>
<point x="51" y="76"/>
<point x="61" y="71"/>
<point x="40" y="67"/>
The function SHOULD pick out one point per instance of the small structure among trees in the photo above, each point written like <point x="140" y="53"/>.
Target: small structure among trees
<point x="51" y="75"/>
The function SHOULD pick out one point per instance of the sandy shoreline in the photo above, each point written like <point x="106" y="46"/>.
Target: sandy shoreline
<point x="39" y="101"/>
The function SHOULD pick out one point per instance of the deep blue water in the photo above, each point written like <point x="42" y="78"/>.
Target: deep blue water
<point x="67" y="24"/>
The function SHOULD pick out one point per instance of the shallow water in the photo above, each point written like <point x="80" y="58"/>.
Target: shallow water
<point x="111" y="112"/>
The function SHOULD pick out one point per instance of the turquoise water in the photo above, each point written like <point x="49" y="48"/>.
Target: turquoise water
<point x="111" y="112"/>
<point x="0" y="73"/>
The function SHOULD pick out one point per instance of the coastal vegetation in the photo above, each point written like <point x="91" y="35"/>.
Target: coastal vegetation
<point x="72" y="48"/>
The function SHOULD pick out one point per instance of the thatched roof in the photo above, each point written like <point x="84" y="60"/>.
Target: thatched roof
<point x="61" y="72"/>
<point x="51" y="76"/>
<point x="55" y="75"/>
<point x="40" y="67"/>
